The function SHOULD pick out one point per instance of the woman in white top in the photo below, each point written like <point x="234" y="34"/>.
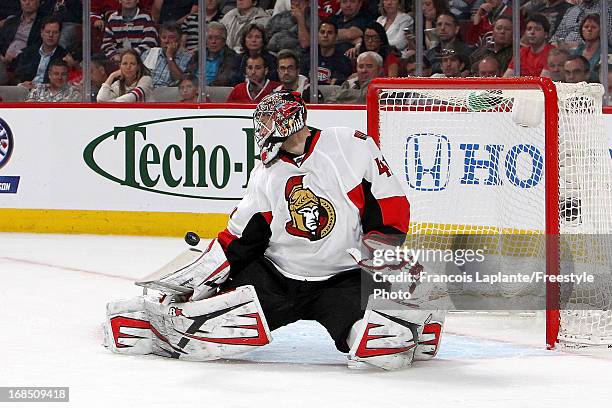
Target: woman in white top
<point x="394" y="20"/>
<point x="132" y="82"/>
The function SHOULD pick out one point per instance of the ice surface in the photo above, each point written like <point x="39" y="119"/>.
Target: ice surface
<point x="54" y="289"/>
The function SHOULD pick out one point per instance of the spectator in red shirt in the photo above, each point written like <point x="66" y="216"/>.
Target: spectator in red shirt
<point x="256" y="85"/>
<point x="535" y="54"/>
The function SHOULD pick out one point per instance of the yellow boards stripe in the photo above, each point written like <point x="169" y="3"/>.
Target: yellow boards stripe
<point x="111" y="222"/>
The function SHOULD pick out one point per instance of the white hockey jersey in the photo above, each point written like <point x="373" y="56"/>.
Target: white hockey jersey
<point x="304" y="213"/>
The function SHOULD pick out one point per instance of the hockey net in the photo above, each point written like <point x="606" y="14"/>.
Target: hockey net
<point x="520" y="167"/>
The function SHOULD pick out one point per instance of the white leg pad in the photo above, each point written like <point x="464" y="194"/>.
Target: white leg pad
<point x="208" y="329"/>
<point x="388" y="334"/>
<point x="429" y="343"/>
<point x="127" y="329"/>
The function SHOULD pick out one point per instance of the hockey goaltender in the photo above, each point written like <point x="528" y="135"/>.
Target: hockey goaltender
<point x="285" y="256"/>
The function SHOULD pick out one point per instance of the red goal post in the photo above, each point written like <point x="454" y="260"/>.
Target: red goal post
<point x="448" y="95"/>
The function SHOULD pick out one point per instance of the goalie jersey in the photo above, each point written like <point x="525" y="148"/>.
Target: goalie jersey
<point x="303" y="213"/>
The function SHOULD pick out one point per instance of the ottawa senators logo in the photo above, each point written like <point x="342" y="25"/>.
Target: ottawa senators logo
<point x="312" y="217"/>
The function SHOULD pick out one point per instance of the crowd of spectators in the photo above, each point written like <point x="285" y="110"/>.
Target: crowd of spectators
<point x="256" y="47"/>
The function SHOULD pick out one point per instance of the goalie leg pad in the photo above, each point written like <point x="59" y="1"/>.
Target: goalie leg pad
<point x="209" y="329"/>
<point x="388" y="334"/>
<point x="429" y="343"/>
<point x="127" y="329"/>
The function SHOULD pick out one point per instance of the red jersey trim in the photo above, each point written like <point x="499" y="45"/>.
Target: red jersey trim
<point x="226" y="238"/>
<point x="267" y="216"/>
<point x="288" y="159"/>
<point x="357" y="197"/>
<point x="395" y="212"/>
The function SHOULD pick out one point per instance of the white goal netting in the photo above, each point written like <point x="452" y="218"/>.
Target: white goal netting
<point x="474" y="163"/>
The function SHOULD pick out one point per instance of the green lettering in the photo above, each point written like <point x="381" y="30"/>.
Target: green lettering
<point x="167" y="168"/>
<point x="130" y="151"/>
<point x="144" y="163"/>
<point x="213" y="166"/>
<point x="190" y="150"/>
<point x="251" y="154"/>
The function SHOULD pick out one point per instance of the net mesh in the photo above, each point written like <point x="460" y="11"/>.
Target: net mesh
<point x="473" y="166"/>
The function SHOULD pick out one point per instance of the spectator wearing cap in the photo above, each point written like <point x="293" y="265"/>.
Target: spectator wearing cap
<point x="369" y="66"/>
<point x="452" y="64"/>
<point x="535" y="55"/>
<point x="334" y="67"/>
<point x="447" y="30"/>
<point x="554" y="64"/>
<point x="576" y="69"/>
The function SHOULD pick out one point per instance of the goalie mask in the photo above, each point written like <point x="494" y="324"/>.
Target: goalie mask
<point x="278" y="116"/>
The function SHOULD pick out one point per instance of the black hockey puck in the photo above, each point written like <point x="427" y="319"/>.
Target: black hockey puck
<point x="191" y="238"/>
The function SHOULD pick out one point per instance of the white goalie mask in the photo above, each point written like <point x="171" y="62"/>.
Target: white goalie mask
<point x="278" y="116"/>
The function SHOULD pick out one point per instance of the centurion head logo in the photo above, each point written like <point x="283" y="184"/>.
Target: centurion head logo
<point x="312" y="217"/>
<point x="6" y="143"/>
